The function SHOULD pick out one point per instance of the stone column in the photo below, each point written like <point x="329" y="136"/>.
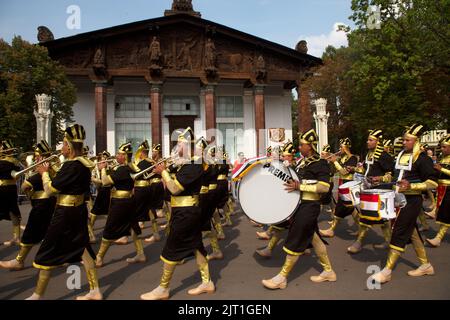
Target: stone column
<point x="321" y="117"/>
<point x="210" y="112"/>
<point x="260" y="120"/>
<point x="100" y="117"/>
<point x="44" y="117"/>
<point x="156" y="114"/>
<point x="304" y="118"/>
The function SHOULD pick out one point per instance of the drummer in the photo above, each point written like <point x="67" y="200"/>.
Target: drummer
<point x="303" y="231"/>
<point x="345" y="160"/>
<point x="273" y="234"/>
<point x="377" y="168"/>
<point x="420" y="178"/>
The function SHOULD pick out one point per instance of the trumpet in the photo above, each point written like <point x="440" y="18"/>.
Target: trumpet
<point x="112" y="160"/>
<point x="6" y="152"/>
<point x="331" y="155"/>
<point x="148" y="172"/>
<point x="52" y="158"/>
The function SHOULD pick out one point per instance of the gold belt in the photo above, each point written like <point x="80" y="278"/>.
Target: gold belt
<point x="155" y="180"/>
<point x="222" y="177"/>
<point x="121" y="194"/>
<point x="204" y="190"/>
<point x="212" y="186"/>
<point x="39" y="195"/>
<point x="311" y="196"/>
<point x="444" y="182"/>
<point x="141" y="183"/>
<point x="9" y="182"/>
<point x="69" y="200"/>
<point x="412" y="193"/>
<point x="347" y="177"/>
<point x="184" y="201"/>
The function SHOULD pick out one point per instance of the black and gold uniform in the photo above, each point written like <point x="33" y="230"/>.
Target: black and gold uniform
<point x="443" y="193"/>
<point x="378" y="164"/>
<point x="185" y="236"/>
<point x="304" y="232"/>
<point x="274" y="232"/>
<point x="327" y="200"/>
<point x="208" y="197"/>
<point x="343" y="209"/>
<point x="9" y="210"/>
<point x="156" y="184"/>
<point x="142" y="191"/>
<point x="122" y="218"/>
<point x="101" y="203"/>
<point x="67" y="238"/>
<point x="42" y="208"/>
<point x="420" y="178"/>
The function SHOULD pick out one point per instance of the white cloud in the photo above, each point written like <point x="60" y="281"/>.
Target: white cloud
<point x="317" y="44"/>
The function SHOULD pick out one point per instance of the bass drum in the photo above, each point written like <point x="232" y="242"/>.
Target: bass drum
<point x="262" y="193"/>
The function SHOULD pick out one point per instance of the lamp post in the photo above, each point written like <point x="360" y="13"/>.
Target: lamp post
<point x="44" y="117"/>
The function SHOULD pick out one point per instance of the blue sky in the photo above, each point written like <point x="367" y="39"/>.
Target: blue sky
<point x="282" y="21"/>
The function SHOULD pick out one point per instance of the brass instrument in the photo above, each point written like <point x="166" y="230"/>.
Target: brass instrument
<point x="52" y="158"/>
<point x="147" y="173"/>
<point x="331" y="155"/>
<point x="6" y="152"/>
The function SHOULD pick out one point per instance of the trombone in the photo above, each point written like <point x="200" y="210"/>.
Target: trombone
<point x="52" y="158"/>
<point x="148" y="172"/>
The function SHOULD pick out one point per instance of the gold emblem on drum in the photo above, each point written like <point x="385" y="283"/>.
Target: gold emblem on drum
<point x="276" y="134"/>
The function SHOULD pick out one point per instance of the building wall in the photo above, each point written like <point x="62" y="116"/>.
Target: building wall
<point x="277" y="109"/>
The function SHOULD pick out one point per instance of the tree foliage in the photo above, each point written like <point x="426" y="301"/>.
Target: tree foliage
<point x="27" y="70"/>
<point x="392" y="75"/>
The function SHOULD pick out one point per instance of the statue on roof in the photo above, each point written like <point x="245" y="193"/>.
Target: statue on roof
<point x="182" y="6"/>
<point x="44" y="34"/>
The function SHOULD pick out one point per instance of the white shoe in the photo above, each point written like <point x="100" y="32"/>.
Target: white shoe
<point x="92" y="295"/>
<point x="218" y="255"/>
<point x="277" y="282"/>
<point x="324" y="276"/>
<point x="140" y="258"/>
<point x="423" y="270"/>
<point x="159" y="293"/>
<point x="154" y="238"/>
<point x="203" y="288"/>
<point x="12" y="265"/>
<point x="122" y="241"/>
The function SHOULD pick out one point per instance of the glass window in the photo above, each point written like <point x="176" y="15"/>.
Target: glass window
<point x="230" y="107"/>
<point x="132" y="107"/>
<point x="181" y="105"/>
<point x="232" y="137"/>
<point x="134" y="133"/>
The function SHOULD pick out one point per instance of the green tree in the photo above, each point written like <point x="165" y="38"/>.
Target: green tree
<point x="27" y="70"/>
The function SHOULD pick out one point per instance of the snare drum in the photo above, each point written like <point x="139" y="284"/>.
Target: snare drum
<point x="377" y="204"/>
<point x="262" y="193"/>
<point x="349" y="192"/>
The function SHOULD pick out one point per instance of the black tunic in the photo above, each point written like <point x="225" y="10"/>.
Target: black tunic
<point x="207" y="203"/>
<point x="185" y="236"/>
<point x="8" y="194"/>
<point x="304" y="221"/>
<point x="222" y="185"/>
<point x="143" y="195"/>
<point x="101" y="204"/>
<point x="122" y="212"/>
<point x="40" y="215"/>
<point x="67" y="236"/>
<point x="403" y="227"/>
<point x="443" y="210"/>
<point x="157" y="189"/>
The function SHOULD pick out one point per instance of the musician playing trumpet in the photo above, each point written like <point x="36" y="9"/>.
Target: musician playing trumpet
<point x="9" y="210"/>
<point x="343" y="163"/>
<point x="122" y="218"/>
<point x="421" y="177"/>
<point x="303" y="231"/>
<point x="42" y="207"/>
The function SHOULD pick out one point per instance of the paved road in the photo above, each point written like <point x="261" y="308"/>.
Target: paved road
<point x="239" y="275"/>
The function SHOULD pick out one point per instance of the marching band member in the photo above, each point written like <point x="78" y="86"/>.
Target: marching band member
<point x="443" y="192"/>
<point x="67" y="238"/>
<point x="101" y="204"/>
<point x="122" y="218"/>
<point x="378" y="168"/>
<point x="208" y="196"/>
<point x="420" y="178"/>
<point x="346" y="160"/>
<point x="388" y="147"/>
<point x="274" y="232"/>
<point x="9" y="210"/>
<point x="303" y="231"/>
<point x="157" y="198"/>
<point x="185" y="236"/>
<point x="142" y="191"/>
<point x="42" y="207"/>
<point x="223" y="169"/>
